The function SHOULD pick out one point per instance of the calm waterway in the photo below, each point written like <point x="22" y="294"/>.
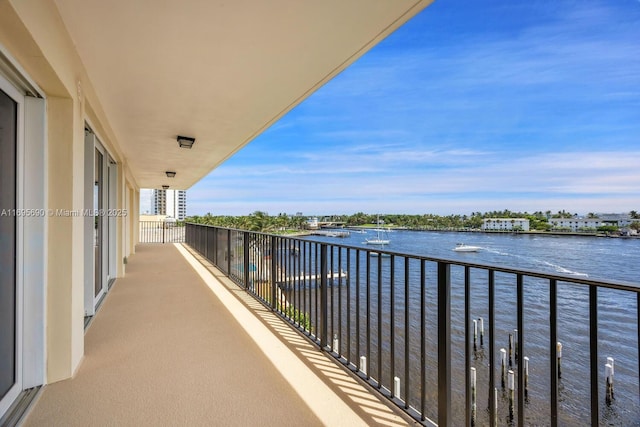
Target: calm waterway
<point x="615" y="259"/>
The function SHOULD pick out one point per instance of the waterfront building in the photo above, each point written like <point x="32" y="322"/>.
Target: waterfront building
<point x="579" y="224"/>
<point x="576" y="224"/>
<point x="618" y="220"/>
<point x="505" y="224"/>
<point x="171" y="203"/>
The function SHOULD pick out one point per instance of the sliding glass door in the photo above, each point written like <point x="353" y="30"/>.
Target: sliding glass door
<point x="9" y="307"/>
<point x="100" y="190"/>
<point x="98" y="230"/>
<point x="22" y="236"/>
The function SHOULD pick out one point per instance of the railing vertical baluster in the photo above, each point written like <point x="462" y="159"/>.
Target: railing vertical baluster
<point x="216" y="245"/>
<point x="638" y="328"/>
<point x="368" y="314"/>
<point x="274" y="277"/>
<point x="520" y="346"/>
<point x="492" y="324"/>
<point x="392" y="324"/>
<point x="316" y="255"/>
<point x="444" y="344"/>
<point x="553" y="341"/>
<point x="423" y="344"/>
<point x="261" y="262"/>
<point x="202" y="229"/>
<point x="348" y="284"/>
<point x="332" y="296"/>
<point x="593" y="345"/>
<point x="340" y="330"/>
<point x="214" y="256"/>
<point x="280" y="266"/>
<point x="210" y="237"/>
<point x="284" y="289"/>
<point x="467" y="345"/>
<point x="205" y="248"/>
<point x="307" y="291"/>
<point x="380" y="322"/>
<point x="245" y="250"/>
<point x="290" y="277"/>
<point x="357" y="308"/>
<point x="228" y="251"/>
<point x="286" y="275"/>
<point x="215" y="233"/>
<point x="324" y="309"/>
<point x="406" y="334"/>
<point x="299" y="274"/>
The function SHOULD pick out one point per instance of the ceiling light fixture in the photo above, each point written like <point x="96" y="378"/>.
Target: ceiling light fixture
<point x="185" y="141"/>
<point x="165" y="187"/>
<point x="170" y="174"/>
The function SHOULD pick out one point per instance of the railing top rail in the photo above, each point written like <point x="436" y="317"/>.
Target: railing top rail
<point x="611" y="284"/>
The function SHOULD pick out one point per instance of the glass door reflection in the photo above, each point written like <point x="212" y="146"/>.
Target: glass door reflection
<point x="98" y="227"/>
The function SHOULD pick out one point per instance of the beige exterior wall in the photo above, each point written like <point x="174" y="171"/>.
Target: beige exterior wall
<point x="34" y="35"/>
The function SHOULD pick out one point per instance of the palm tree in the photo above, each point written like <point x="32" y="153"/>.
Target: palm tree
<point x="258" y="221"/>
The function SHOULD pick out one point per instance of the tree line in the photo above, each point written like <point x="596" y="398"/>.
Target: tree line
<point x="262" y="221"/>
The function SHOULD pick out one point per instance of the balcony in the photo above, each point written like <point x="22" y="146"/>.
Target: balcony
<point x="409" y="327"/>
<point x="176" y="343"/>
<point x="239" y="328"/>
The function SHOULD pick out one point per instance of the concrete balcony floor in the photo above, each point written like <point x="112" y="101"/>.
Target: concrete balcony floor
<point x="176" y="343"/>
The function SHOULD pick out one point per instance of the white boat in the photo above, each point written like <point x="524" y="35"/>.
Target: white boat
<point x="461" y="247"/>
<point x="380" y="254"/>
<point x="379" y="240"/>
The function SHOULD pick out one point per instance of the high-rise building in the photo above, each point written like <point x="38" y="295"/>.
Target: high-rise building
<point x="172" y="203"/>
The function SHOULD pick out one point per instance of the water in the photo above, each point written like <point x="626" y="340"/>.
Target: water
<point x="597" y="258"/>
<point x="608" y="259"/>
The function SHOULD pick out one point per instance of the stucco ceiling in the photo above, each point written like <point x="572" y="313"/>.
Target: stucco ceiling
<point x="219" y="71"/>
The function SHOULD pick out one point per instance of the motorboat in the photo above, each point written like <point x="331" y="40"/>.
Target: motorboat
<point x="377" y="241"/>
<point x="461" y="247"/>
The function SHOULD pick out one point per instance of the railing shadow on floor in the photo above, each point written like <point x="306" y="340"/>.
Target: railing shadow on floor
<point x="372" y="409"/>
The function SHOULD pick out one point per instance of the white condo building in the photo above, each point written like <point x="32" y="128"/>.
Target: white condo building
<point x="505" y="224"/>
<point x="172" y="203"/>
<point x="576" y="224"/>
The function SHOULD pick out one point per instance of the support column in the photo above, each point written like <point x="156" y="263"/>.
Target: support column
<point x="65" y="296"/>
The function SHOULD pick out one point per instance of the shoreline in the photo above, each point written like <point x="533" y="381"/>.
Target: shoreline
<point x="530" y="232"/>
<point x="303" y="233"/>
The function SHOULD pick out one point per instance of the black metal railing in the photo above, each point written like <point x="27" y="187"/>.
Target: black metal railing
<point x="412" y="327"/>
<point x="161" y="232"/>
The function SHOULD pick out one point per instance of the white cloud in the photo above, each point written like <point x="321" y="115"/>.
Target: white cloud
<point x="513" y="181"/>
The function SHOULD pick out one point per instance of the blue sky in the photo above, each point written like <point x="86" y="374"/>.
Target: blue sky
<point x="471" y="106"/>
